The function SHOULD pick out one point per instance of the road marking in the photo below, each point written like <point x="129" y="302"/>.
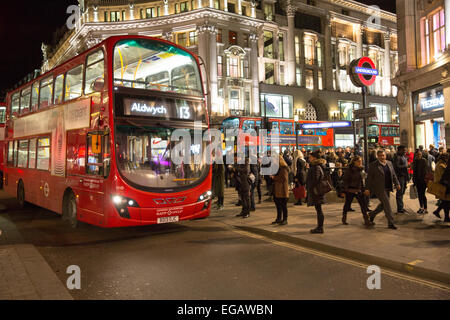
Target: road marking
<point x="413" y="263"/>
<point x="344" y="260"/>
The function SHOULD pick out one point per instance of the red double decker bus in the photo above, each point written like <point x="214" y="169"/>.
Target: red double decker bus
<point x="92" y="138"/>
<point x="2" y="141"/>
<point x="312" y="139"/>
<point x="383" y="134"/>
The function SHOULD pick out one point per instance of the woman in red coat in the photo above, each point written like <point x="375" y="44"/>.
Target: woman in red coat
<point x="410" y="157"/>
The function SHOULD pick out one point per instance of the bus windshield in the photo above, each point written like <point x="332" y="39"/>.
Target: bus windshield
<point x="153" y="65"/>
<point x="144" y="157"/>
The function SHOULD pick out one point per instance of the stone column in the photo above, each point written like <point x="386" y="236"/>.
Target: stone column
<point x="253" y="9"/>
<point x="406" y="118"/>
<point x="131" y="11"/>
<point x="239" y="4"/>
<point x="338" y="68"/>
<point x="200" y="5"/>
<point x="302" y="58"/>
<point x="207" y="48"/>
<point x="95" y="14"/>
<point x="213" y="68"/>
<point x="166" y="7"/>
<point x="359" y="41"/>
<point x="255" y="74"/>
<point x="290" y="54"/>
<point x="211" y="3"/>
<point x="387" y="64"/>
<point x="225" y="5"/>
<point x="328" y="74"/>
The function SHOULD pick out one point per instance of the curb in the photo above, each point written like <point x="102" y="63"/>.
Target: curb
<point x="355" y="255"/>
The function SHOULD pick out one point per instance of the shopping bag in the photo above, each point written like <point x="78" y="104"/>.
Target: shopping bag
<point x="299" y="192"/>
<point x="413" y="192"/>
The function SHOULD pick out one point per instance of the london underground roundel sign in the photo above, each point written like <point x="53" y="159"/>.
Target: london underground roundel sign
<point x="363" y="72"/>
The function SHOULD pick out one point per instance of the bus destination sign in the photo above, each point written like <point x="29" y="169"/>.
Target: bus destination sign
<point x="159" y="108"/>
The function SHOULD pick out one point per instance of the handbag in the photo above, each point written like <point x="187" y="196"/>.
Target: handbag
<point x="436" y="189"/>
<point x="413" y="192"/>
<point x="324" y="185"/>
<point x="429" y="177"/>
<point x="299" y="192"/>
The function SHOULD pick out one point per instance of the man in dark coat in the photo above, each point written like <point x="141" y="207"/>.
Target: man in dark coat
<point x="401" y="170"/>
<point x="254" y="173"/>
<point x="243" y="171"/>
<point x="380" y="179"/>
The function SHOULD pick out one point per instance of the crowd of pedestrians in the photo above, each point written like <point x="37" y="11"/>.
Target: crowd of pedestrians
<point x="313" y="174"/>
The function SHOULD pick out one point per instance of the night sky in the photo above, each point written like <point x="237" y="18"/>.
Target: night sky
<point x="24" y="25"/>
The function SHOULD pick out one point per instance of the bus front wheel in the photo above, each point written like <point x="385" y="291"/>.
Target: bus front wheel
<point x="70" y="211"/>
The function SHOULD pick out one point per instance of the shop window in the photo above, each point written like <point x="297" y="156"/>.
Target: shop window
<point x="219" y="66"/>
<point x="268" y="11"/>
<point x="192" y="38"/>
<point x="234" y="100"/>
<point x="433" y="36"/>
<point x="346" y="109"/>
<point x="320" y="80"/>
<point x="232" y="37"/>
<point x="269" y="73"/>
<point x="309" y="42"/>
<point x="268" y="45"/>
<point x="182" y="39"/>
<point x="277" y="106"/>
<point x="234" y="67"/>
<point x="298" y="76"/>
<point x="281" y="47"/>
<point x="231" y="7"/>
<point x="115" y="16"/>
<point x="309" y="78"/>
<point x="217" y="4"/>
<point x="297" y="49"/>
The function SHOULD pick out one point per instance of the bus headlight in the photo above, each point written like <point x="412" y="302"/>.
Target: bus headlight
<point x="206" y="196"/>
<point x="122" y="204"/>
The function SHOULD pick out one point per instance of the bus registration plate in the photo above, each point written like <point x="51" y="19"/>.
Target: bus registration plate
<point x="168" y="219"/>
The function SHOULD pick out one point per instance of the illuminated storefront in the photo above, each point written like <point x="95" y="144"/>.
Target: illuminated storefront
<point x="429" y="117"/>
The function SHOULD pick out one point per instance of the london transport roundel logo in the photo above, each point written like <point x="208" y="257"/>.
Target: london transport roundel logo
<point x="363" y="72"/>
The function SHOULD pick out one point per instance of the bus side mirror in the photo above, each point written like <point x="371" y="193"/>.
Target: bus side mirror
<point x="98" y="85"/>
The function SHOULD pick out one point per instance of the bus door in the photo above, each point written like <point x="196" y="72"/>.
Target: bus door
<point x="87" y="155"/>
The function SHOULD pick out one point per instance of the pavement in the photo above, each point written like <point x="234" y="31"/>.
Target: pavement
<point x="420" y="247"/>
<point x="24" y="273"/>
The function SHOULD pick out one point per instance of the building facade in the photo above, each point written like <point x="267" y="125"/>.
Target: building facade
<point x="423" y="79"/>
<point x="270" y="58"/>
